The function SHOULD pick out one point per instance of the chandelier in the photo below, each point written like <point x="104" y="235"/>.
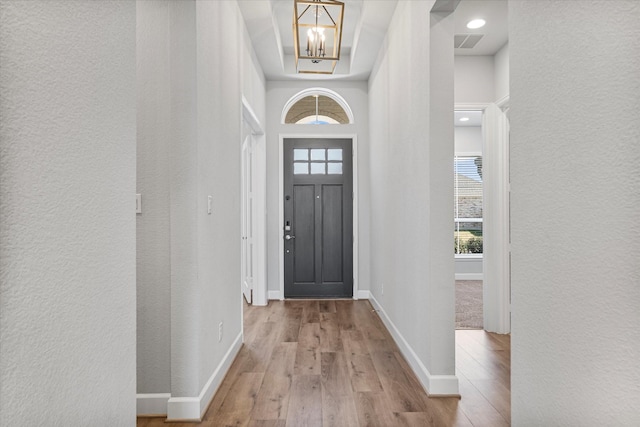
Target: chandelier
<point x="317" y="32"/>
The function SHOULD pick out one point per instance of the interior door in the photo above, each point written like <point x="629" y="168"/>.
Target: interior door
<point x="318" y="218"/>
<point x="247" y="216"/>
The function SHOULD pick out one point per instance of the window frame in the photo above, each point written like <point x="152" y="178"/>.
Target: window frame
<point x="456" y="219"/>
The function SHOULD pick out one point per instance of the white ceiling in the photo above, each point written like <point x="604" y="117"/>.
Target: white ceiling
<point x="269" y="23"/>
<point x="474" y="118"/>
<point x="495" y="32"/>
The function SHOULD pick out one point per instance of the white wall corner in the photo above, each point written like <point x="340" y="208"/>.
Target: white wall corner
<point x="193" y="408"/>
<point x="149" y="404"/>
<point x="434" y="385"/>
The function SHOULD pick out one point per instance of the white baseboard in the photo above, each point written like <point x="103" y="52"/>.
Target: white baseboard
<point x="276" y="295"/>
<point x="469" y="276"/>
<point x="152" y="404"/>
<point x="434" y="385"/>
<point x="363" y="294"/>
<point x="193" y="408"/>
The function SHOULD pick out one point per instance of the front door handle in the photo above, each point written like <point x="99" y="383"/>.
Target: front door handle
<point x="289" y="237"/>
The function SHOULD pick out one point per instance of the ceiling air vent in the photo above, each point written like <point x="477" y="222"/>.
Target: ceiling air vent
<point x="466" y="41"/>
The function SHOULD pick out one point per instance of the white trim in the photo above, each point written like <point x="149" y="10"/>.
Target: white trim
<point x="478" y="106"/>
<point x="155" y="404"/>
<point x="503" y="103"/>
<point x="469" y="276"/>
<point x="363" y="294"/>
<point x="467" y="153"/>
<point x="496" y="264"/>
<point x="467" y="256"/>
<point x="496" y="304"/>
<point x="356" y="248"/>
<point x="251" y="118"/>
<point x="259" y="175"/>
<point x="281" y="215"/>
<point x="276" y="295"/>
<point x="356" y="215"/>
<point x="193" y="408"/>
<point x="434" y="385"/>
<point x="317" y="91"/>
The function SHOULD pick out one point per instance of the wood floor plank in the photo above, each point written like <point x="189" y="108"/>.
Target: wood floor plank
<point x="291" y="324"/>
<point x="338" y="410"/>
<point x="311" y="312"/>
<point x="496" y="394"/>
<point x="242" y="361"/>
<point x="414" y="419"/>
<point x="330" y="339"/>
<point x="241" y="397"/>
<point x="321" y="363"/>
<point x="346" y="315"/>
<point x="469" y="366"/>
<point x="353" y="342"/>
<point x="363" y="374"/>
<point x="373" y="410"/>
<point x="402" y="395"/>
<point x="444" y="411"/>
<point x="272" y="400"/>
<point x="305" y="404"/>
<point x="477" y="408"/>
<point x="335" y="374"/>
<point x="327" y="306"/>
<point x="308" y="350"/>
<point x="338" y="405"/>
<point x="258" y="350"/>
<point x="267" y="423"/>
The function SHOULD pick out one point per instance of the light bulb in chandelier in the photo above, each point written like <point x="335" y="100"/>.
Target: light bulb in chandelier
<point x="321" y="20"/>
<point x="316" y="43"/>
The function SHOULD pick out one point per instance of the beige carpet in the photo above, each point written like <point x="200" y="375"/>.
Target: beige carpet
<point x="469" y="304"/>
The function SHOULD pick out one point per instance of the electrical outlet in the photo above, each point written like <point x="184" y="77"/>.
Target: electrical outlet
<point x="220" y="331"/>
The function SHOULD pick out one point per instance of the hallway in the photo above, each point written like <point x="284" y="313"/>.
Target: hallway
<point x="333" y="363"/>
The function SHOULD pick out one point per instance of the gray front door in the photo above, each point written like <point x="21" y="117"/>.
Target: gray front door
<point x="318" y="218"/>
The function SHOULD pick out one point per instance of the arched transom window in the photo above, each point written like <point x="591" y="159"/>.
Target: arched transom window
<point x="317" y="106"/>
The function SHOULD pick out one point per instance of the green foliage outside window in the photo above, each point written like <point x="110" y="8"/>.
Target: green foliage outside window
<point x="468" y="242"/>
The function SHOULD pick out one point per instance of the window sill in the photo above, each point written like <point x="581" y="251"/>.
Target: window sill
<point x="468" y="256"/>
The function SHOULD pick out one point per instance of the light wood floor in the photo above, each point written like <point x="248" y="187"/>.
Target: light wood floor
<point x="333" y="363"/>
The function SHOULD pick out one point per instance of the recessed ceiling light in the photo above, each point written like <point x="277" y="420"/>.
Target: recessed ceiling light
<point x="464" y="119"/>
<point x="476" y="23"/>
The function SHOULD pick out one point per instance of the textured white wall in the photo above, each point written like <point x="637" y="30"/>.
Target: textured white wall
<point x="153" y="225"/>
<point x="412" y="187"/>
<point x="224" y="73"/>
<point x="575" y="239"/>
<point x="183" y="182"/>
<point x="194" y="67"/>
<point x="474" y="77"/>
<point x="356" y="95"/>
<point x="68" y="138"/>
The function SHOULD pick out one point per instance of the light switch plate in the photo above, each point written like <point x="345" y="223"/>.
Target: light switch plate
<point x="138" y="203"/>
<point x="209" y="203"/>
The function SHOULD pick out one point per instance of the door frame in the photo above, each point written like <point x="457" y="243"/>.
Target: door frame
<point x="279" y="294"/>
<point x="496" y="305"/>
<point x="259" y="175"/>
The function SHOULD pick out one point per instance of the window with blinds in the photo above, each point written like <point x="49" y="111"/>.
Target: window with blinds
<point x="468" y="204"/>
